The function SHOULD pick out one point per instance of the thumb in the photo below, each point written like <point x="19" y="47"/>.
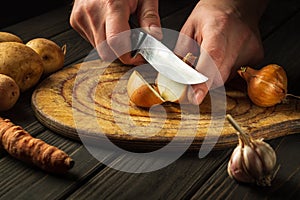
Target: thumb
<point x="206" y="66"/>
<point x="197" y="93"/>
<point x="149" y="18"/>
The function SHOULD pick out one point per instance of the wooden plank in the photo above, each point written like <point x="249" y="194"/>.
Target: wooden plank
<point x="21" y="113"/>
<point x="77" y="47"/>
<point x="14" y="172"/>
<point x="19" y="180"/>
<point x="284" y="186"/>
<point x="283" y="48"/>
<point x="24" y="176"/>
<point x="220" y="185"/>
<point x="283" y="51"/>
<point x="26" y="179"/>
<point x="45" y="25"/>
<point x="35" y="181"/>
<point x="171" y="182"/>
<point x="27" y="9"/>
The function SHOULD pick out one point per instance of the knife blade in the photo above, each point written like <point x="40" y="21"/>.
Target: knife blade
<point x="161" y="58"/>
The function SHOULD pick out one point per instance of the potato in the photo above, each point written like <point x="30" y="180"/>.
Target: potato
<point x="21" y="63"/>
<point x="9" y="37"/>
<point x="53" y="56"/>
<point x="9" y="92"/>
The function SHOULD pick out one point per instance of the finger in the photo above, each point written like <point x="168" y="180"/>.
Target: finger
<point x="186" y="44"/>
<point x="197" y="93"/>
<point x="91" y="28"/>
<point x="149" y="18"/>
<point x="214" y="47"/>
<point x="118" y="32"/>
<point x="81" y="23"/>
<point x="104" y="50"/>
<point x="107" y="53"/>
<point x="207" y="67"/>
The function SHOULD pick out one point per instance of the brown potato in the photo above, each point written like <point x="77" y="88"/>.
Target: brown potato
<point x="52" y="55"/>
<point x="9" y="37"/>
<point x="21" y="63"/>
<point x="9" y="92"/>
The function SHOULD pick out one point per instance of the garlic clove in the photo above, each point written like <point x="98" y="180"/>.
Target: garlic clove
<point x="236" y="168"/>
<point x="252" y="162"/>
<point x="266" y="153"/>
<point x="170" y="90"/>
<point x="141" y="93"/>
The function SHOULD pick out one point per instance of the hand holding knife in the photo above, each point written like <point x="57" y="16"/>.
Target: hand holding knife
<point x="164" y="60"/>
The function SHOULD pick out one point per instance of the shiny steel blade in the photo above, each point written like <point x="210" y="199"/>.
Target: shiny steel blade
<point x="165" y="61"/>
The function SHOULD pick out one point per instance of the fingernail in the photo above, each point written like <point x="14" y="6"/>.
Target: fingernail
<point x="155" y="31"/>
<point x="196" y="96"/>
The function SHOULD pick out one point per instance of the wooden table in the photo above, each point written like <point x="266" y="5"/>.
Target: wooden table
<point x="188" y="177"/>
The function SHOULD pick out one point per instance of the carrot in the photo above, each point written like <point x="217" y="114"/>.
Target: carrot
<point x="21" y="145"/>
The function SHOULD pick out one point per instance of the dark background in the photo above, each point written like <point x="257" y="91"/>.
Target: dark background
<point x="13" y="12"/>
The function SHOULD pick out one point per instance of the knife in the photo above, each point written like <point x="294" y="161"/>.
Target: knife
<point x="161" y="58"/>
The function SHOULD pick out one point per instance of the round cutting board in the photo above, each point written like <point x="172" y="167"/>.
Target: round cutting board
<point x="89" y="101"/>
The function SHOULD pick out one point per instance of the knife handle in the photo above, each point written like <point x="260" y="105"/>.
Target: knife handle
<point x="137" y="38"/>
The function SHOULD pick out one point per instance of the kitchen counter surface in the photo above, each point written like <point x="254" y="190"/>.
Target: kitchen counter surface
<point x="189" y="177"/>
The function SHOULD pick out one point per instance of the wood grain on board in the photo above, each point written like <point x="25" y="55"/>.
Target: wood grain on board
<point x="89" y="100"/>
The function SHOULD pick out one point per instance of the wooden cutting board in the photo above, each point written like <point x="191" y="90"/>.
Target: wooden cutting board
<point x="89" y="99"/>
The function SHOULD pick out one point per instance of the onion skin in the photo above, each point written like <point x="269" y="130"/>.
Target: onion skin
<point x="267" y="86"/>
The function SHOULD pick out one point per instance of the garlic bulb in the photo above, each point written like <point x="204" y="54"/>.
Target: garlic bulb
<point x="266" y="86"/>
<point x="252" y="161"/>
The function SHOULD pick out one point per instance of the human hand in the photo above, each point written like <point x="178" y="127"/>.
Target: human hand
<point x="228" y="34"/>
<point x="104" y="23"/>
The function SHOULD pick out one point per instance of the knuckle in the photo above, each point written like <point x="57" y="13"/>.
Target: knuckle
<point x="75" y="17"/>
<point x="217" y="54"/>
<point x="114" y="5"/>
<point x="75" y="20"/>
<point x="113" y="40"/>
<point x="78" y="14"/>
<point x="150" y="14"/>
<point x="104" y="55"/>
